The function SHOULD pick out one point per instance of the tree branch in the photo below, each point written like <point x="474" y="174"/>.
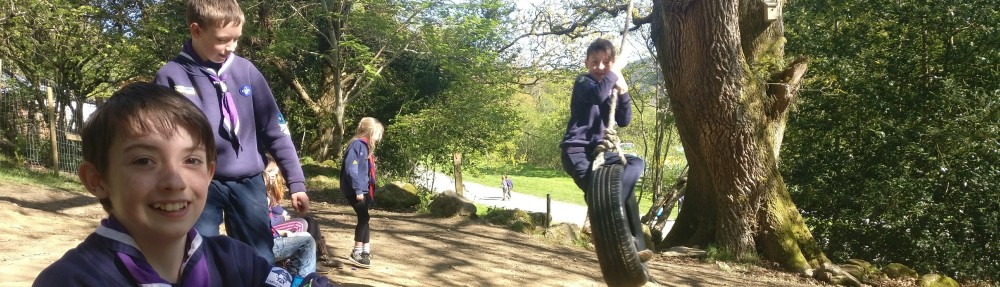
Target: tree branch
<point x="572" y="29"/>
<point x="294" y="83"/>
<point x="783" y="85"/>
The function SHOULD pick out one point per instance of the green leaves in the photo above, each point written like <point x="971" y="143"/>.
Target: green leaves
<point x="892" y="152"/>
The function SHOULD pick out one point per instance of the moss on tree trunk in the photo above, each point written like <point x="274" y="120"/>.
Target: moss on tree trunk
<point x="730" y="88"/>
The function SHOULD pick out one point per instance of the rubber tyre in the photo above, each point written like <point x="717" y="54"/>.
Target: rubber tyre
<point x="616" y="251"/>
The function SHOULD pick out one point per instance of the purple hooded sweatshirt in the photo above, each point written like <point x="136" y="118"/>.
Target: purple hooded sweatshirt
<point x="259" y="124"/>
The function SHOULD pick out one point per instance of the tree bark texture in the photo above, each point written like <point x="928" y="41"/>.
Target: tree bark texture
<point x="730" y="87"/>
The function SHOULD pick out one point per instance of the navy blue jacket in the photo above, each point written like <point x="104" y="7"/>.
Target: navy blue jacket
<point x="355" y="170"/>
<point x="589" y="108"/>
<point x="260" y="121"/>
<point x="96" y="262"/>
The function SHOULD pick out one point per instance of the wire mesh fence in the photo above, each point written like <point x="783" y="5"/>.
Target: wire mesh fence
<point x="28" y="138"/>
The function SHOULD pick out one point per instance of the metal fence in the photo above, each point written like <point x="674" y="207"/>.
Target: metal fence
<point x="28" y="138"/>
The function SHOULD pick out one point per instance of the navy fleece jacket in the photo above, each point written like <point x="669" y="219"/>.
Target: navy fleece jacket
<point x="589" y="108"/>
<point x="355" y="176"/>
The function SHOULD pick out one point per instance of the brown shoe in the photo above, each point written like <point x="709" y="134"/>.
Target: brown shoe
<point x="646" y="255"/>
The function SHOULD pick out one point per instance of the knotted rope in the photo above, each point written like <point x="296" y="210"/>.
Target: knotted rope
<point x="611" y="140"/>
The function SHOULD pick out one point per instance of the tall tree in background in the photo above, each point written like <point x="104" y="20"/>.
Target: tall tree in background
<point x="330" y="53"/>
<point x="470" y="111"/>
<point x="730" y="88"/>
<point x="75" y="48"/>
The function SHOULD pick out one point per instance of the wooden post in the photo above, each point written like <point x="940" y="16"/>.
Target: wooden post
<point x="548" y="210"/>
<point x="52" y="129"/>
<point x="457" y="160"/>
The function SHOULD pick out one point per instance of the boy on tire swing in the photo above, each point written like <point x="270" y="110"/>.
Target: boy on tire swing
<point x="589" y="109"/>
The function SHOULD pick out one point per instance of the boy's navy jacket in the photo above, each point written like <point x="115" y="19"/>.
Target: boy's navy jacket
<point x="355" y="173"/>
<point x="109" y="257"/>
<point x="260" y="122"/>
<point x="589" y="108"/>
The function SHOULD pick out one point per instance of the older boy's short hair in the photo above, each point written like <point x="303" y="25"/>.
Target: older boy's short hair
<point x="602" y="45"/>
<point x="140" y="109"/>
<point x="214" y="13"/>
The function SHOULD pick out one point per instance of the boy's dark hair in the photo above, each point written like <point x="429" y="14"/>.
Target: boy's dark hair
<point x="214" y="13"/>
<point x="602" y="45"/>
<point x="140" y="109"/>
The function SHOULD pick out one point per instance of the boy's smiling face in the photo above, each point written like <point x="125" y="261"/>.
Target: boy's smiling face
<point x="215" y="43"/>
<point x="157" y="186"/>
<point x="598" y="64"/>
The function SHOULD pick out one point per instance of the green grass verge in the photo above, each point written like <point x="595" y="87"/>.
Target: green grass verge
<point x="540" y="181"/>
<point x="11" y="172"/>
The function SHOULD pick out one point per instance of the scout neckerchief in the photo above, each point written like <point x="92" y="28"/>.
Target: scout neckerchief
<point x="230" y="116"/>
<point x="371" y="170"/>
<point x="194" y="269"/>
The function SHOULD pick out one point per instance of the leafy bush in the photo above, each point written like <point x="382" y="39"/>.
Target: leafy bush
<point x="892" y="154"/>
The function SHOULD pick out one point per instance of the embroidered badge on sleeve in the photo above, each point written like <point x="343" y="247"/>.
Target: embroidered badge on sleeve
<point x="283" y="124"/>
<point x="278" y="278"/>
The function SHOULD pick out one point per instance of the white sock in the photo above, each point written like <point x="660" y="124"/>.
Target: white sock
<point x="367" y="248"/>
<point x="357" y="250"/>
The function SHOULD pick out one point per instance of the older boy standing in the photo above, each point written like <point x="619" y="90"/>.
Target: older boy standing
<point x="246" y="122"/>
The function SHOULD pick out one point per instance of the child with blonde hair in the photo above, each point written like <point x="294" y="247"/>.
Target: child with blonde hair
<point x="357" y="182"/>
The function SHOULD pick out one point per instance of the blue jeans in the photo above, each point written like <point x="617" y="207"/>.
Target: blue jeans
<point x="244" y="204"/>
<point x="299" y="250"/>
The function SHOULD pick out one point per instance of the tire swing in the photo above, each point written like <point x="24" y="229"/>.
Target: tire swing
<point x="611" y="220"/>
<point x="611" y="228"/>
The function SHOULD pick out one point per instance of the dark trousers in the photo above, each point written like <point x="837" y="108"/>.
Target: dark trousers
<point x="577" y="163"/>
<point x="243" y="203"/>
<point x="362" y="230"/>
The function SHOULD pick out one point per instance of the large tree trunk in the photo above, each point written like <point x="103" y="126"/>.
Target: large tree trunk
<point x="332" y="129"/>
<point x="730" y="88"/>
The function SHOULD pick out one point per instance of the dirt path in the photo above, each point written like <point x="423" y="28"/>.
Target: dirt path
<point x="409" y="249"/>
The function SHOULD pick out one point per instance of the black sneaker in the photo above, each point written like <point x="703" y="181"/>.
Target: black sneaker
<point x="362" y="260"/>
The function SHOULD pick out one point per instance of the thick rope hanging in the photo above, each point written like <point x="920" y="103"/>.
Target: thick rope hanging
<point x="611" y="139"/>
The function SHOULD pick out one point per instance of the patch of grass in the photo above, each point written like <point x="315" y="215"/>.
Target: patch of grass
<point x="326" y="168"/>
<point x="322" y="179"/>
<point x="583" y="242"/>
<point x="426" y="196"/>
<point x="714" y="253"/>
<point x="534" y="181"/>
<point x="541" y="181"/>
<point x="13" y="172"/>
<point x="482" y="210"/>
